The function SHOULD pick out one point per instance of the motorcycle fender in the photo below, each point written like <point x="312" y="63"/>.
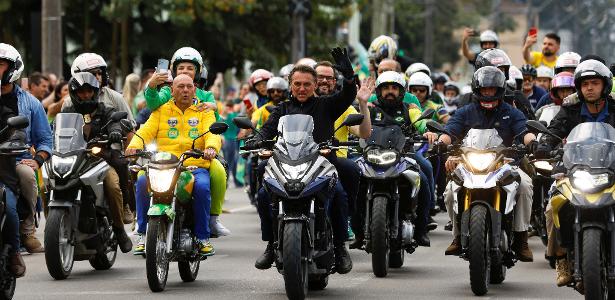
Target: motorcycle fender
<point x="511" y="193"/>
<point x="415" y="180"/>
<point x="494" y="217"/>
<point x="161" y="210"/>
<point x="598" y="225"/>
<point x="560" y="198"/>
<point x="94" y="179"/>
<point x="315" y="186"/>
<point x="274" y="186"/>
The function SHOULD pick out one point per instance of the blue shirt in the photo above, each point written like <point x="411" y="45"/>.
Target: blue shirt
<point x="507" y="120"/>
<point x="537" y="94"/>
<point x="602" y="116"/>
<point x="38" y="133"/>
<point x="545" y="100"/>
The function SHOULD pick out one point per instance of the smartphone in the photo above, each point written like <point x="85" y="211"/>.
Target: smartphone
<point x="24" y="83"/>
<point x="163" y="65"/>
<point x="247" y="103"/>
<point x="533" y="31"/>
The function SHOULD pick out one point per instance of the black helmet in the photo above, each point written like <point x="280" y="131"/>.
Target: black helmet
<point x="593" y="69"/>
<point x="80" y="81"/>
<point x="493" y="57"/>
<point x="488" y="76"/>
<point x="528" y="69"/>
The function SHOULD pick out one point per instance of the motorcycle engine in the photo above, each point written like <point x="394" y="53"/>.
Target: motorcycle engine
<point x="186" y="241"/>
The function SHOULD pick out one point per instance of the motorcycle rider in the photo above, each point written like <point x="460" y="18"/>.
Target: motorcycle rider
<point x="567" y="62"/>
<point x="173" y="126"/>
<point x="11" y="66"/>
<point x="530" y="90"/>
<point x="84" y="91"/>
<point x="277" y="90"/>
<point x="544" y="75"/>
<point x="324" y="110"/>
<point x="393" y="65"/>
<point x="451" y="96"/>
<point x="421" y="67"/>
<point x="488" y="39"/>
<point x="491" y="111"/>
<point x="382" y="47"/>
<point x="593" y="82"/>
<point x="562" y="86"/>
<point x="421" y="86"/>
<point x="258" y="85"/>
<point x="37" y="135"/>
<point x="188" y="61"/>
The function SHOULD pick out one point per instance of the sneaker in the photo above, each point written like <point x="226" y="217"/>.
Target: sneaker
<point x="140" y="247"/>
<point x="431" y="224"/>
<point x="351" y="236"/>
<point x="206" y="248"/>
<point x="32" y="244"/>
<point x="448" y="226"/>
<point x="216" y="227"/>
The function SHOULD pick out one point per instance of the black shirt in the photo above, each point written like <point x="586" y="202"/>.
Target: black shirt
<point x="8" y="109"/>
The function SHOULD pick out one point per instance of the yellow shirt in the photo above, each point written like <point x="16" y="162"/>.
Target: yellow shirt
<point x="260" y="116"/>
<point x="342" y="134"/>
<point x="537" y="59"/>
<point x="174" y="130"/>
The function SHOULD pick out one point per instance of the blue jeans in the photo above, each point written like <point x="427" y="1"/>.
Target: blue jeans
<point x="427" y="169"/>
<point x="201" y="203"/>
<point x="230" y="151"/>
<point x="11" y="230"/>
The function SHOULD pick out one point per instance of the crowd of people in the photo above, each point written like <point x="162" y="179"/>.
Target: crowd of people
<point x="169" y="108"/>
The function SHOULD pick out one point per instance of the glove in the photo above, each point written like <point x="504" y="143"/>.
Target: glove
<point x="532" y="146"/>
<point x="542" y="151"/>
<point x="115" y="137"/>
<point x="342" y="62"/>
<point x="251" y="144"/>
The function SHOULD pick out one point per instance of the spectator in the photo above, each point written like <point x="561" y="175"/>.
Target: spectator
<point x="548" y="55"/>
<point x="139" y="100"/>
<point x="132" y="86"/>
<point x="488" y="39"/>
<point x="60" y="92"/>
<point x="230" y="146"/>
<point x="38" y="85"/>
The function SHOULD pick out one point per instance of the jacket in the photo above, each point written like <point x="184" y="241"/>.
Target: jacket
<point x="99" y="118"/>
<point x="38" y="133"/>
<point x="174" y="131"/>
<point x="155" y="99"/>
<point x="570" y="116"/>
<point x="507" y="120"/>
<point x="323" y="109"/>
<point x="110" y="98"/>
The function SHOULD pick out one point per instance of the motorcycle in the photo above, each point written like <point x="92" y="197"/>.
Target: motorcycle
<point x="584" y="207"/>
<point x="484" y="187"/>
<point x="8" y="282"/>
<point x="79" y="226"/>
<point x="300" y="180"/>
<point x="389" y="220"/>
<point x="169" y="234"/>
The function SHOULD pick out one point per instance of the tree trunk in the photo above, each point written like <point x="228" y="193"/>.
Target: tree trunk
<point x="51" y="32"/>
<point x="124" y="47"/>
<point x="114" y="42"/>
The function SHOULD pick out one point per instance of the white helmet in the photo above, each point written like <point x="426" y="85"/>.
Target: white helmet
<point x="421" y="79"/>
<point x="88" y="61"/>
<point x="285" y="70"/>
<point x="382" y="47"/>
<point x="489" y="36"/>
<point x="567" y="60"/>
<point x="515" y="78"/>
<point x="307" y="62"/>
<point x="277" y="83"/>
<point x="9" y="53"/>
<point x="416" y="67"/>
<point x="544" y="71"/>
<point x="391" y="77"/>
<point x="187" y="54"/>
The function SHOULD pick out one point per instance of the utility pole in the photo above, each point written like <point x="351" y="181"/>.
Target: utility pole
<point x="299" y="11"/>
<point x="51" y="32"/>
<point x="383" y="18"/>
<point x="429" y="32"/>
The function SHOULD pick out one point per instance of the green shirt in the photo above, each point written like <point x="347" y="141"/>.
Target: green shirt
<point x="233" y="130"/>
<point x="410" y="99"/>
<point x="155" y="99"/>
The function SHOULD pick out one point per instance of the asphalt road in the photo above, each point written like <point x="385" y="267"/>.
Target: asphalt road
<point x="230" y="274"/>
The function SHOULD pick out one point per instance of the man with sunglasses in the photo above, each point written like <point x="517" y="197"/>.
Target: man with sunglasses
<point x="530" y="90"/>
<point x="420" y="85"/>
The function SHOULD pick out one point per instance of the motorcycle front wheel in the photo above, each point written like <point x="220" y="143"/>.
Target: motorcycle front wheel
<point x="10" y="284"/>
<point x="478" y="256"/>
<point x="59" y="244"/>
<point x="188" y="270"/>
<point x="156" y="258"/>
<point x="295" y="267"/>
<point x="105" y="260"/>
<point x="380" y="237"/>
<point x="594" y="271"/>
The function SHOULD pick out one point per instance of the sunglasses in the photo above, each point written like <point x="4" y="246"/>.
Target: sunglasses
<point x="327" y="78"/>
<point x="418" y="90"/>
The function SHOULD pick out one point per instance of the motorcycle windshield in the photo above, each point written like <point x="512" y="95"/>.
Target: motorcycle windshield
<point x="68" y="133"/>
<point x="388" y="137"/>
<point x="590" y="144"/>
<point x="482" y="139"/>
<point x="295" y="136"/>
<point x="548" y="113"/>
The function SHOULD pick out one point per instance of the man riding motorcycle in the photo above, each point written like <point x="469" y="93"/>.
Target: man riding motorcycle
<point x="277" y="91"/>
<point x="593" y="83"/>
<point x="37" y="134"/>
<point x="324" y="110"/>
<point x="189" y="61"/>
<point x="84" y="91"/>
<point x="11" y="67"/>
<point x="491" y="111"/>
<point x="174" y="126"/>
<point x="562" y="86"/>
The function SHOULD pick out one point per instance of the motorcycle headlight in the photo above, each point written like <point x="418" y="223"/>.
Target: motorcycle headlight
<point x="480" y="161"/>
<point x="160" y="180"/>
<point x="63" y="165"/>
<point x="295" y="172"/>
<point x="543" y="165"/>
<point x="381" y="157"/>
<point x="586" y="181"/>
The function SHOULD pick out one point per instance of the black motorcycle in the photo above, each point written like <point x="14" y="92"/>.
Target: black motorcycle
<point x="79" y="225"/>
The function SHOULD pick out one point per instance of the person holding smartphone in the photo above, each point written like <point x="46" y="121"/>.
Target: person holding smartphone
<point x="550" y="47"/>
<point x="188" y="61"/>
<point x="488" y="40"/>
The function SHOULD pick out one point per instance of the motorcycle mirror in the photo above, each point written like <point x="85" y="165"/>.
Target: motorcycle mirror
<point x="427" y="114"/>
<point x="19" y="122"/>
<point x="243" y="123"/>
<point x="537" y="126"/>
<point x="119" y="115"/>
<point x="434" y="126"/>
<point x="351" y="120"/>
<point x="127" y="125"/>
<point x="218" y="128"/>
